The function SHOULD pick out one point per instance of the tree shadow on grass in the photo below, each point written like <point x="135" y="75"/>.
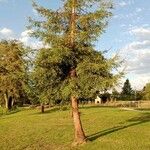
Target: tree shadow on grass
<point x="145" y="117"/>
<point x="9" y="112"/>
<point x="143" y="109"/>
<point x="47" y="111"/>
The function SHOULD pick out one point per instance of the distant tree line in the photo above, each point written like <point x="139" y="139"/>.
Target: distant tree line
<point x="130" y="94"/>
<point x="13" y="73"/>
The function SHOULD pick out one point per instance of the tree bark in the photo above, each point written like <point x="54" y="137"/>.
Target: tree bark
<point x="79" y="133"/>
<point x="6" y="100"/>
<point x="42" y="108"/>
<point x="73" y="23"/>
<point x="10" y="102"/>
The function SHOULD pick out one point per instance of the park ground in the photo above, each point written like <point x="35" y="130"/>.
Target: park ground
<point x="106" y="129"/>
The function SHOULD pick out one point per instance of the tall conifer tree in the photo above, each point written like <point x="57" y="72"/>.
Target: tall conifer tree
<point x="127" y="92"/>
<point x="71" y="67"/>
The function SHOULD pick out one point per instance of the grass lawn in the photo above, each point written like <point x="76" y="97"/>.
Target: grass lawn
<point x="106" y="129"/>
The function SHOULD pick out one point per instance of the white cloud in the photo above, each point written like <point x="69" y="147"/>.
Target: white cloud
<point x="6" y="33"/>
<point x="24" y="37"/>
<point x="137" y="54"/>
<point x="138" y="9"/>
<point x="122" y="3"/>
<point x="28" y="41"/>
<point x="141" y="33"/>
<point x="138" y="45"/>
<point x="140" y="81"/>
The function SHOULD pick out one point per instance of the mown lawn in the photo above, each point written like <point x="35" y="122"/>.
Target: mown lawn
<point x="106" y="129"/>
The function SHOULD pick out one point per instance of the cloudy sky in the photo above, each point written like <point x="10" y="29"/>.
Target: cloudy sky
<point x="128" y="32"/>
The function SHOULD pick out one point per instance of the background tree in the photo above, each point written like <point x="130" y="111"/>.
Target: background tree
<point x="138" y="94"/>
<point x="146" y="92"/>
<point x="115" y="94"/>
<point x="12" y="72"/>
<point x="127" y="92"/>
<point x="71" y="67"/>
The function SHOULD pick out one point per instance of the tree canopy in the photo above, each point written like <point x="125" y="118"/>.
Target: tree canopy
<point x="71" y="38"/>
<point x="127" y="90"/>
<point x="146" y="92"/>
<point x="12" y="70"/>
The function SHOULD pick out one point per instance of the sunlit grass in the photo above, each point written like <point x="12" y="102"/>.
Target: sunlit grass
<point x="106" y="129"/>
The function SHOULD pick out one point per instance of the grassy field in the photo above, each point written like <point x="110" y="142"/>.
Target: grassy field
<point x="106" y="129"/>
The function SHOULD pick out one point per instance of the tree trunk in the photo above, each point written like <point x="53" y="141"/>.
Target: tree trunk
<point x="73" y="23"/>
<point x="10" y="102"/>
<point x="6" y="100"/>
<point x="79" y="133"/>
<point x="42" y="108"/>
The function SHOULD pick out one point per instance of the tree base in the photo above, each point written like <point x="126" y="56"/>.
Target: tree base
<point x="42" y="108"/>
<point x="81" y="142"/>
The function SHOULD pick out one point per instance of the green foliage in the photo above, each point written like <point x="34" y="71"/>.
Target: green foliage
<point x="55" y="28"/>
<point x="115" y="94"/>
<point x="146" y="92"/>
<point x="127" y="92"/>
<point x="4" y="111"/>
<point x="139" y="95"/>
<point x="71" y="48"/>
<point x="13" y="68"/>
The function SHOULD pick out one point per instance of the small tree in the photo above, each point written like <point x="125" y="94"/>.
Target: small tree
<point x="127" y="92"/>
<point x="12" y="72"/>
<point x="146" y="92"/>
<point x="71" y="67"/>
<point x="138" y="94"/>
<point x="115" y="94"/>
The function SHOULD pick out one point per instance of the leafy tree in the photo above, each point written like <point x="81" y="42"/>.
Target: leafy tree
<point x="115" y="94"/>
<point x="12" y="72"/>
<point x="138" y="94"/>
<point x="127" y="92"/>
<point x="146" y="92"/>
<point x="71" y="68"/>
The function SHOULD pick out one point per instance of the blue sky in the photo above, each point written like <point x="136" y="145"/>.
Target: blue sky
<point x="128" y="32"/>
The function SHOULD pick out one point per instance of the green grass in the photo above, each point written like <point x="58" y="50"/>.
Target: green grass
<point x="106" y="129"/>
